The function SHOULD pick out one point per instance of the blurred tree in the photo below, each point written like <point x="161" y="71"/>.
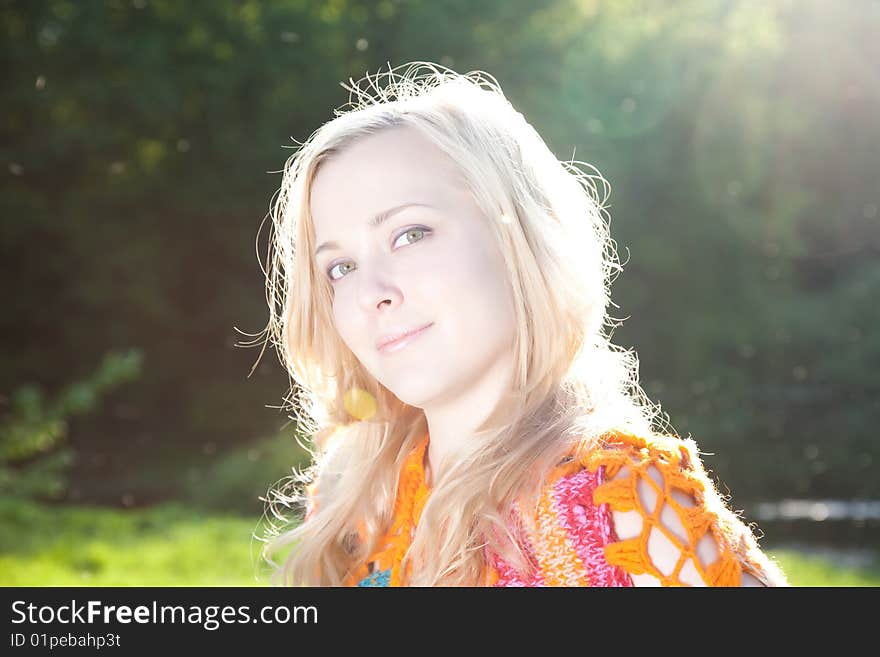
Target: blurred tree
<point x="32" y="458"/>
<point x="143" y="139"/>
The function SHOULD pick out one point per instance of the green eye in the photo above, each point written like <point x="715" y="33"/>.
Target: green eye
<point x="414" y="234"/>
<point x="410" y="231"/>
<point x="330" y="271"/>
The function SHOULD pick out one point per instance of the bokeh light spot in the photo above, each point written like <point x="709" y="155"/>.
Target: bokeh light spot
<point x="360" y="404"/>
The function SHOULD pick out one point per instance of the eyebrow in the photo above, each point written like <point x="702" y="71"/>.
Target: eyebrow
<point x="375" y="222"/>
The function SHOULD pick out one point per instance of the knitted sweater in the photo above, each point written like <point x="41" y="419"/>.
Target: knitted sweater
<point x="637" y="510"/>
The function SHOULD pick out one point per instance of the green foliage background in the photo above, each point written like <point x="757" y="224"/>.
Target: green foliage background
<point x="141" y="143"/>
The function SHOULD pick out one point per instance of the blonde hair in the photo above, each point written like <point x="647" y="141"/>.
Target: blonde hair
<point x="570" y="384"/>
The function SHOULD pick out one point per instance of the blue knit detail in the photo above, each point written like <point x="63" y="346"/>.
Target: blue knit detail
<point x="378" y="578"/>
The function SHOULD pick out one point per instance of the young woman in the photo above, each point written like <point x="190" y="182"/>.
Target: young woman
<point x="438" y="289"/>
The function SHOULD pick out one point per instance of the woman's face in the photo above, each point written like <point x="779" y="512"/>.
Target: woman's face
<point x="434" y="264"/>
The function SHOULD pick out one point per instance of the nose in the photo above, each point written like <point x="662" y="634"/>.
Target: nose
<point x="378" y="288"/>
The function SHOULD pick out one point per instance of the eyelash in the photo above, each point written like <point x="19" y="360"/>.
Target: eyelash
<point x="422" y="229"/>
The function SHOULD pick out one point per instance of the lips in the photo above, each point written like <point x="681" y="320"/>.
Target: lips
<point x="390" y="340"/>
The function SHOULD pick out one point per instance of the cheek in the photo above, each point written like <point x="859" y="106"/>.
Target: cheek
<point x="342" y="321"/>
<point x="474" y="290"/>
<point x="348" y="323"/>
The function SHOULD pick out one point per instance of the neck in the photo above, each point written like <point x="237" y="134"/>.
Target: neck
<point x="453" y="421"/>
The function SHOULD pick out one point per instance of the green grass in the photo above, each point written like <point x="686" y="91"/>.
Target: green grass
<point x="172" y="545"/>
<point x="809" y="570"/>
<point x="167" y="545"/>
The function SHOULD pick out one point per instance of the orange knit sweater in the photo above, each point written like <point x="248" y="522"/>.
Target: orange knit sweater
<point x="637" y="510"/>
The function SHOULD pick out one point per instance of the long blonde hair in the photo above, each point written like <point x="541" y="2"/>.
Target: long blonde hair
<point x="570" y="384"/>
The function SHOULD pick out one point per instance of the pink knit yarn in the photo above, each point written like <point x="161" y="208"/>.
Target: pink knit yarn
<point x="588" y="529"/>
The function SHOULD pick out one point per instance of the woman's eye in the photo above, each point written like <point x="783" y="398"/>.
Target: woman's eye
<point x="412" y="231"/>
<point x="412" y="234"/>
<point x="330" y="271"/>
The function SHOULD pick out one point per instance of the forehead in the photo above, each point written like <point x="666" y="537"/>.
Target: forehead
<point x="380" y="171"/>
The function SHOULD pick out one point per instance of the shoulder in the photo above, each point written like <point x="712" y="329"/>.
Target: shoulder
<point x="566" y="532"/>
<point x="670" y="525"/>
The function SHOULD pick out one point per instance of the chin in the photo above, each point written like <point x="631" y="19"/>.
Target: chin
<point x="417" y="394"/>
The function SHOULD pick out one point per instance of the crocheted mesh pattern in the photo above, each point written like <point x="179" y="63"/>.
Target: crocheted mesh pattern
<point x="705" y="517"/>
<point x="571" y="535"/>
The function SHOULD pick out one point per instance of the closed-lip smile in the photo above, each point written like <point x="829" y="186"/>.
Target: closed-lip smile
<point x="390" y="339"/>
